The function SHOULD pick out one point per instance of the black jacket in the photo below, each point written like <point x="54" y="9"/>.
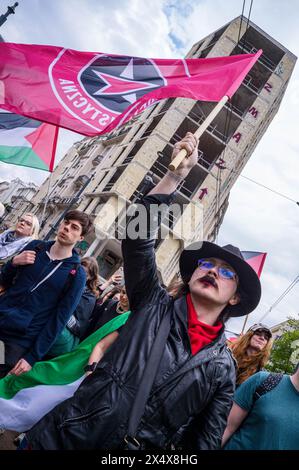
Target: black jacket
<point x="102" y="313"/>
<point x="79" y="321"/>
<point x="191" y="395"/>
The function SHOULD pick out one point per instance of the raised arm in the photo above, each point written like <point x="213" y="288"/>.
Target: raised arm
<point x="140" y="271"/>
<point x="170" y="181"/>
<point x="141" y="279"/>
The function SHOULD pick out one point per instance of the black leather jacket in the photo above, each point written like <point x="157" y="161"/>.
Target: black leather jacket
<point x="191" y="396"/>
<point x="79" y="321"/>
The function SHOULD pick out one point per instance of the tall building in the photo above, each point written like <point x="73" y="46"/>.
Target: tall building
<point x="16" y="196"/>
<point x="11" y="191"/>
<point x="281" y="328"/>
<point x="97" y="173"/>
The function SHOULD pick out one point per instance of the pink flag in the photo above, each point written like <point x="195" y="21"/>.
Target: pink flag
<point x="256" y="259"/>
<point x="92" y="92"/>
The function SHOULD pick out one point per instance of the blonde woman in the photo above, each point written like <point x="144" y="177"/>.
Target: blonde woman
<point x="252" y="351"/>
<point x="13" y="241"/>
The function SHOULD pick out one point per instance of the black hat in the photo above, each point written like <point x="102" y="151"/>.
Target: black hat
<point x="249" y="283"/>
<point x="261" y="327"/>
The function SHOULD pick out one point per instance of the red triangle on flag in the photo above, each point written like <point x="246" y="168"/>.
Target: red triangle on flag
<point x="255" y="259"/>
<point x="43" y="141"/>
<point x="232" y="339"/>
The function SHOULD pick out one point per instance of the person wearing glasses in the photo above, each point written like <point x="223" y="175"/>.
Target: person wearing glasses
<point x="13" y="241"/>
<point x="252" y="351"/>
<point x="193" y="388"/>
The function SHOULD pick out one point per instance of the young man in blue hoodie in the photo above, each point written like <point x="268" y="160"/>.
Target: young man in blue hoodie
<point x="44" y="284"/>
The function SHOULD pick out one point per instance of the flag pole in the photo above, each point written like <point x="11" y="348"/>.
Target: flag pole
<point x="243" y="327"/>
<point x="183" y="153"/>
<point x="46" y="200"/>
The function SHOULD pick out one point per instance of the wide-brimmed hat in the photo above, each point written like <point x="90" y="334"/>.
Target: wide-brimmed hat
<point x="261" y="327"/>
<point x="249" y="284"/>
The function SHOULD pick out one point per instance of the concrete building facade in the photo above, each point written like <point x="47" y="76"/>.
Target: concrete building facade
<point x="10" y="189"/>
<point x="103" y="175"/>
<point x="281" y="328"/>
<point x="16" y="196"/>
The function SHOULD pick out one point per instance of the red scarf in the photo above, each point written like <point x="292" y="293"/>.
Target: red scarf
<point x="200" y="334"/>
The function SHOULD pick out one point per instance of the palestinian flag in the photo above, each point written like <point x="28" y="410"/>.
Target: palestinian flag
<point x="256" y="260"/>
<point x="26" y="398"/>
<point x="27" y="142"/>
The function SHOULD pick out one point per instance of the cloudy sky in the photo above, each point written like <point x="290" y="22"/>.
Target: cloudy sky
<point x="257" y="220"/>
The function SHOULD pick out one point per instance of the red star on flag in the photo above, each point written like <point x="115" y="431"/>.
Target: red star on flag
<point x="121" y="86"/>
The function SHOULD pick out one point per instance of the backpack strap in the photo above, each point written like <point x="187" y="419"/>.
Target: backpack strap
<point x="71" y="275"/>
<point x="146" y="383"/>
<point x="270" y="382"/>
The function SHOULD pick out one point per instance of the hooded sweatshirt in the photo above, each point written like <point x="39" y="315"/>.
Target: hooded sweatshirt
<point x="34" y="309"/>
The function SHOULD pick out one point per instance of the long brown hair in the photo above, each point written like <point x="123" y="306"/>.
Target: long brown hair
<point x="93" y="272"/>
<point x="249" y="364"/>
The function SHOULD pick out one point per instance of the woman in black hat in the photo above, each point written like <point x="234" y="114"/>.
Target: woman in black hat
<point x="168" y="380"/>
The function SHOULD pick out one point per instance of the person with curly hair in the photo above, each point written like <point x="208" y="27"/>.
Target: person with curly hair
<point x="252" y="351"/>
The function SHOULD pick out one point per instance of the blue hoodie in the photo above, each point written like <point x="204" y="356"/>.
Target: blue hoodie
<point x="32" y="310"/>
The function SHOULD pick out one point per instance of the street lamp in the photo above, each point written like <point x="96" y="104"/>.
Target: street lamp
<point x="10" y="11"/>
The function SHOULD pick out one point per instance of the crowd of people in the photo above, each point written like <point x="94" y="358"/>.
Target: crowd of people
<point x="165" y="377"/>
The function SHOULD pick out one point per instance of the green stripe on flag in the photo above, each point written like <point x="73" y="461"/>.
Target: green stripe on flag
<point x="23" y="156"/>
<point x="63" y="369"/>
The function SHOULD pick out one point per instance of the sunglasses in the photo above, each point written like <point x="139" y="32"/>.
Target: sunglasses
<point x="224" y="273"/>
<point x="26" y="222"/>
<point x="262" y="334"/>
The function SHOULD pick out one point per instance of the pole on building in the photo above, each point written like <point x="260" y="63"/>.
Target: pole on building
<point x="183" y="153"/>
<point x="46" y="200"/>
<point x="10" y="11"/>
